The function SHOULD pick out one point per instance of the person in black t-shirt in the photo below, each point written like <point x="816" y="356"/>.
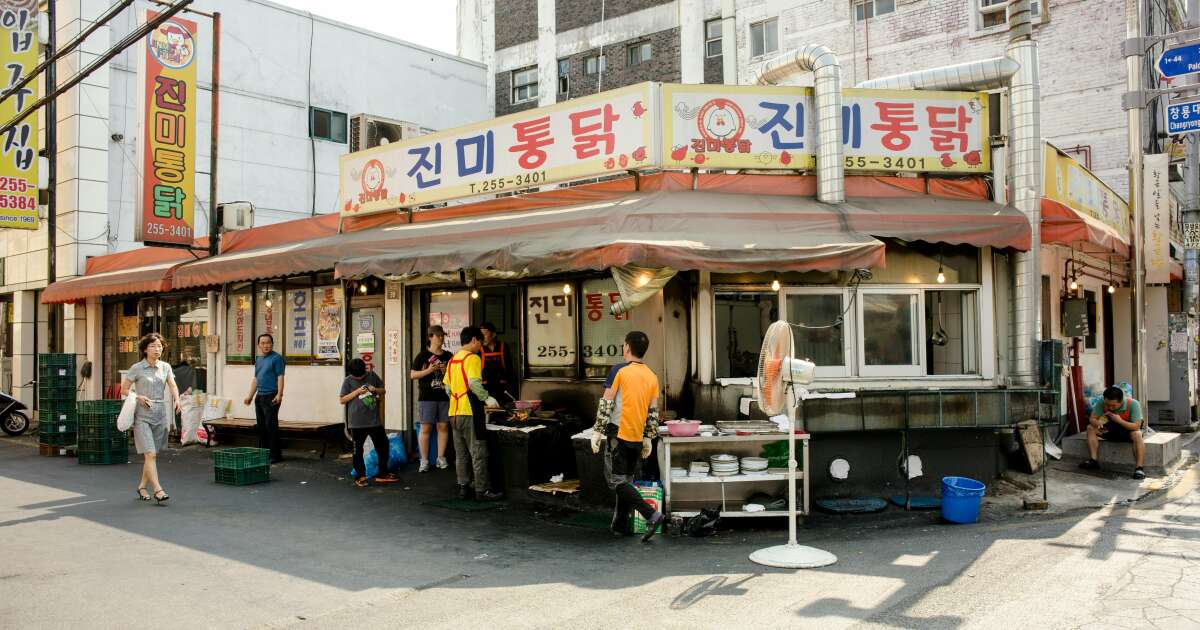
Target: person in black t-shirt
<point x="433" y="404"/>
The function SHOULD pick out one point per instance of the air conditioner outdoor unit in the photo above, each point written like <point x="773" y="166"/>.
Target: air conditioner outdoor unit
<point x="368" y="131"/>
<point x="236" y="215"/>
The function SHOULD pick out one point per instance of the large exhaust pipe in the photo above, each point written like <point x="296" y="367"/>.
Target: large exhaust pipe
<point x="827" y="87"/>
<point x="1018" y="70"/>
<point x="1025" y="154"/>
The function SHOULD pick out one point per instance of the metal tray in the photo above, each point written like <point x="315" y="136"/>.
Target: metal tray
<point x="748" y="426"/>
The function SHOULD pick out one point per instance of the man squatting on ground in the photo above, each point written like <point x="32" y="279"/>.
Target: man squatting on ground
<point x="629" y="436"/>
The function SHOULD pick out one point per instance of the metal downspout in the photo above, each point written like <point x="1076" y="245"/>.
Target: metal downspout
<point x="827" y="86"/>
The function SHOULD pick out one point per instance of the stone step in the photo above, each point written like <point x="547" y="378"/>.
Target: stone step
<point x="1163" y="451"/>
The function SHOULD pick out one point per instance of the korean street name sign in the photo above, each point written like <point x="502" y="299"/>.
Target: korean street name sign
<point x="753" y="127"/>
<point x="611" y="132"/>
<point x="1191" y="235"/>
<point x="19" y="159"/>
<point x="1179" y="60"/>
<point x="1183" y="118"/>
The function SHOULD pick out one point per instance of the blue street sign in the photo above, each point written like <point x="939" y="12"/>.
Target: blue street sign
<point x="1183" y="118"/>
<point x="1180" y="60"/>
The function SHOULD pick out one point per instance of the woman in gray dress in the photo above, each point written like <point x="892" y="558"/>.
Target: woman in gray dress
<point x="153" y="381"/>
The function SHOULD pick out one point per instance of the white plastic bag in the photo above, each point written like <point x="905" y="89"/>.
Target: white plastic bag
<point x="216" y="408"/>
<point x="190" y="418"/>
<point x="128" y="409"/>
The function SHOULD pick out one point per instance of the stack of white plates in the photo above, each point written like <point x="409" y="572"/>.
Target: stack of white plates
<point x="724" y="465"/>
<point x="754" y="465"/>
<point x="698" y="469"/>
<point x="678" y="472"/>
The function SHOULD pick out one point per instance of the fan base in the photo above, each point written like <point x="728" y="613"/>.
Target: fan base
<point x="793" y="557"/>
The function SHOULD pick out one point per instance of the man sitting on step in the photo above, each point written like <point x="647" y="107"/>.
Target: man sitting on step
<point x="1116" y="418"/>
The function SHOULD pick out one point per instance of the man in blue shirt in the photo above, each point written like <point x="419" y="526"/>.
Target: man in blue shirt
<point x="266" y="390"/>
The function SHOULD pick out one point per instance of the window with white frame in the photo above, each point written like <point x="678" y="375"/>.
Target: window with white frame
<point x="524" y="85"/>
<point x="594" y="64"/>
<point x="819" y="328"/>
<point x="638" y="53"/>
<point x="712" y="38"/>
<point x="873" y="8"/>
<point x="742" y="318"/>
<point x="564" y="79"/>
<point x="890" y="331"/>
<point x="764" y="37"/>
<point x="991" y="15"/>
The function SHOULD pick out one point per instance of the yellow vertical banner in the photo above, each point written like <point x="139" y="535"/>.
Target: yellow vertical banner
<point x="19" y="158"/>
<point x="168" y="146"/>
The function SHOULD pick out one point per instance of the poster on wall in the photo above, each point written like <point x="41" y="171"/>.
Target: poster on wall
<point x="167" y="152"/>
<point x="550" y="325"/>
<point x="450" y="311"/>
<point x="328" y="303"/>
<point x="1156" y="218"/>
<point x="299" y="323"/>
<point x="19" y="160"/>
<point x="238" y="329"/>
<point x="603" y="332"/>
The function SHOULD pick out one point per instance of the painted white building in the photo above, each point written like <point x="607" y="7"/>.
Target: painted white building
<point x="279" y="68"/>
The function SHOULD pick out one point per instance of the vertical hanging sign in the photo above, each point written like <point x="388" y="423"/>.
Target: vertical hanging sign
<point x="168" y="147"/>
<point x="1156" y="219"/>
<point x="18" y="160"/>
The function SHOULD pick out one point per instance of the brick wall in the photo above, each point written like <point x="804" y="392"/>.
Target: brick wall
<point x="504" y="96"/>
<point x="662" y="66"/>
<point x="515" y="22"/>
<point x="569" y="14"/>
<point x="714" y="71"/>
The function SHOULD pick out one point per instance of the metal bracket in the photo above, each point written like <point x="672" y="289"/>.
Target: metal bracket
<point x="1142" y="98"/>
<point x="1134" y="46"/>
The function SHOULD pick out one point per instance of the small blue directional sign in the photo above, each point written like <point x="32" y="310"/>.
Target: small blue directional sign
<point x="1180" y="60"/>
<point x="1183" y="118"/>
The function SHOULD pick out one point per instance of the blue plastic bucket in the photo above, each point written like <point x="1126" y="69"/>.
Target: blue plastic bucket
<point x="960" y="499"/>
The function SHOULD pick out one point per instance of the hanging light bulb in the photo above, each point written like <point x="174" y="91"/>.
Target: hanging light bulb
<point x="1074" y="285"/>
<point x="268" y="302"/>
<point x="474" y="294"/>
<point x="567" y="288"/>
<point x="775" y="284"/>
<point x="362" y="288"/>
<point x="941" y="277"/>
<point x="643" y="280"/>
<point x="1111" y="289"/>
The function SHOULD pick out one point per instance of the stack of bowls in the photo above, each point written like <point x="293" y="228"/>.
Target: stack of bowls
<point x="754" y="465"/>
<point x="724" y="465"/>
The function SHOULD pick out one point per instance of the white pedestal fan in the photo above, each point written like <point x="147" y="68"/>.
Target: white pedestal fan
<point x="779" y="371"/>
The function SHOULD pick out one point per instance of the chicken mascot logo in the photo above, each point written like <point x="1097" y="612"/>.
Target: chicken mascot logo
<point x="172" y="45"/>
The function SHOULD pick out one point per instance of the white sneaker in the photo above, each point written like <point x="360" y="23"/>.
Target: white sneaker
<point x="424" y="466"/>
<point x="442" y="463"/>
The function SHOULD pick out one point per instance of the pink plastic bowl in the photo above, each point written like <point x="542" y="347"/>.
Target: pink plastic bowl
<point x="683" y="428"/>
<point x="527" y="405"/>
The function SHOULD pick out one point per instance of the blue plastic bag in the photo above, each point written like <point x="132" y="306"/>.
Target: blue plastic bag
<point x="397" y="457"/>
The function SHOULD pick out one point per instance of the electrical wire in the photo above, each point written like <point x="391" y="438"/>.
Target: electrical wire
<point x="312" y="142"/>
<point x="841" y="318"/>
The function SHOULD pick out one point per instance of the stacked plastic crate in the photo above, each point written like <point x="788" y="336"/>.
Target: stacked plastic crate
<point x="100" y="442"/>
<point x="241" y="466"/>
<point x="57" y="422"/>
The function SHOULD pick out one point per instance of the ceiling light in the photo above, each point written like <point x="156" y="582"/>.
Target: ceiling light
<point x="567" y="288"/>
<point x="474" y="294"/>
<point x="775" y="284"/>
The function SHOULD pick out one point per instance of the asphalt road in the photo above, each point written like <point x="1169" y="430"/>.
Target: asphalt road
<point x="309" y="550"/>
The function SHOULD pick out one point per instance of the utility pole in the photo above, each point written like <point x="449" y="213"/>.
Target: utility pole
<point x="52" y="310"/>
<point x="1133" y="64"/>
<point x="1191" y="208"/>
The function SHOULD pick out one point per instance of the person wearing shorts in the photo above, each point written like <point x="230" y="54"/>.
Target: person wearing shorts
<point x="433" y="405"/>
<point x="1116" y="418"/>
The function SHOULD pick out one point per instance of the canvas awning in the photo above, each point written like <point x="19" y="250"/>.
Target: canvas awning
<point x="144" y="270"/>
<point x="1064" y="225"/>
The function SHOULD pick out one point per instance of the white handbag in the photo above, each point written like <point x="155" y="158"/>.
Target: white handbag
<point x="128" y="409"/>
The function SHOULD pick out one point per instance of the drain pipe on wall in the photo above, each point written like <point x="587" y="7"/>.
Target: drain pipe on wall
<point x="1017" y="70"/>
<point x="827" y="88"/>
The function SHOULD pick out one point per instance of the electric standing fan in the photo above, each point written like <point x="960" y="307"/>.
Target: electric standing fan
<point x="778" y="370"/>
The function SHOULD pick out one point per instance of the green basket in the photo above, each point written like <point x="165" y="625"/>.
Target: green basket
<point x="109" y="457"/>
<point x="46" y="381"/>
<point x="56" y="439"/>
<point x="64" y="397"/>
<point x="99" y="407"/>
<point x="101" y="445"/>
<point x="93" y="432"/>
<point x="56" y="359"/>
<point x="241" y="458"/>
<point x="243" y="476"/>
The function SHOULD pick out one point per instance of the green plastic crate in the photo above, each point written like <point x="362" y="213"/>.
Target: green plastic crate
<point x="101" y="445"/>
<point x="106" y="458"/>
<point x="100" y="433"/>
<point x="99" y="407"/>
<point x="56" y="439"/>
<point x="56" y="359"/>
<point x="46" y="381"/>
<point x="243" y="476"/>
<point x="241" y="458"/>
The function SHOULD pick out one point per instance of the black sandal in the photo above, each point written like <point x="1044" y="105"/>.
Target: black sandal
<point x="164" y="498"/>
<point x="142" y="495"/>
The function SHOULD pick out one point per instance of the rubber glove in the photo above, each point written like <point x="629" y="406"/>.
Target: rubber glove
<point x="597" y="441"/>
<point x="492" y="402"/>
<point x="647" y="446"/>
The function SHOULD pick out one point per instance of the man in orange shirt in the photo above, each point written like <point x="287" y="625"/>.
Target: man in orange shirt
<point x="628" y="436"/>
